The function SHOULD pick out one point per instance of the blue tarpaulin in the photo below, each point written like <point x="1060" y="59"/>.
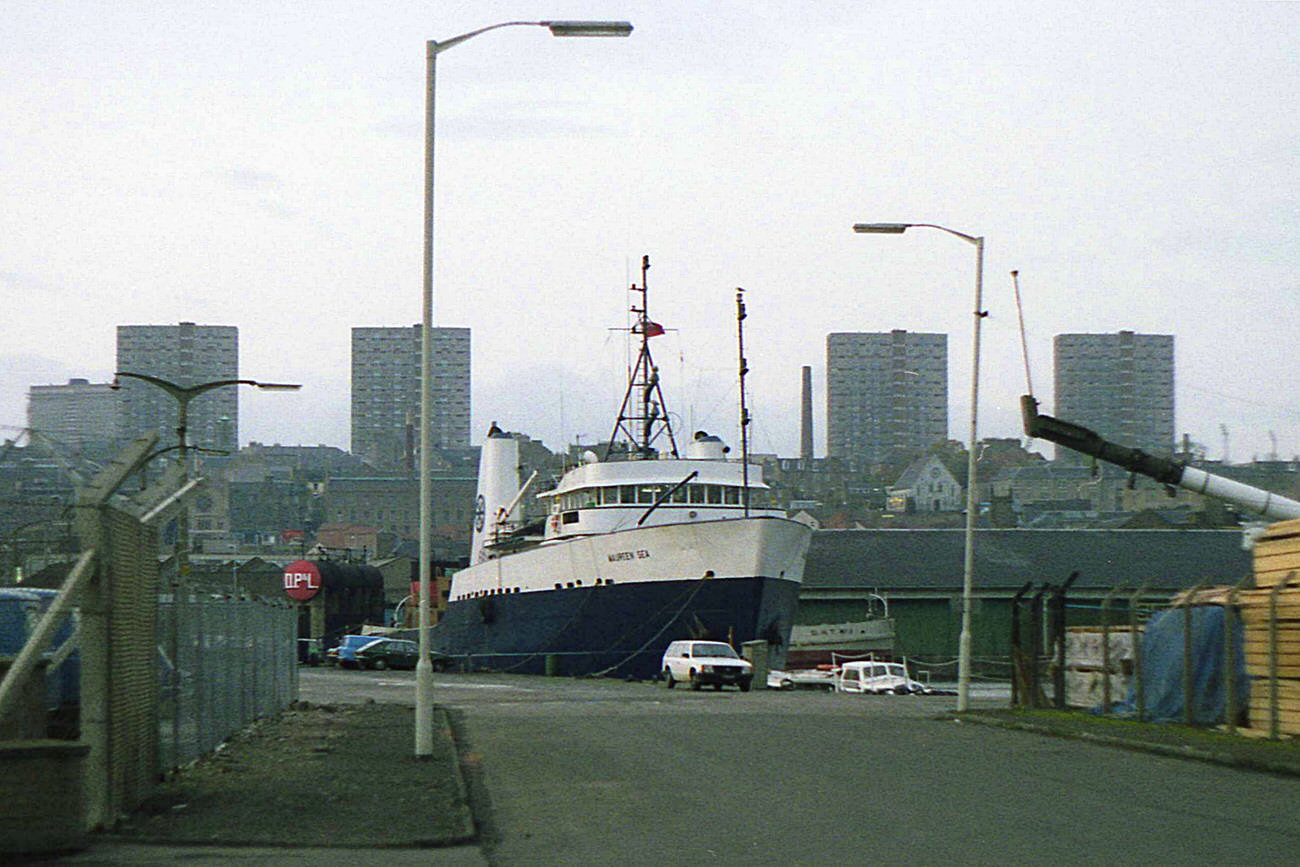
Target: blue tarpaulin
<point x="1162" y="667"/>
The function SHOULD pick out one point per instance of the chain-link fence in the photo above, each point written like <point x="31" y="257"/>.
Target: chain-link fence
<point x="225" y="661"/>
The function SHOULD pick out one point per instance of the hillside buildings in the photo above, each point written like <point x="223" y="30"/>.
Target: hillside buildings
<point x="386" y="393"/>
<point x="186" y="354"/>
<point x="886" y="394"/>
<point x="1121" y="385"/>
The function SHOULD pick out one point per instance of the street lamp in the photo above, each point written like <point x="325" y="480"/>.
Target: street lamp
<point x="968" y="569"/>
<point x="424" y="667"/>
<point x="183" y="395"/>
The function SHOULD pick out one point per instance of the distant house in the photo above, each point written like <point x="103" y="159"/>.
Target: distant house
<point x="927" y="485"/>
<point x="350" y="537"/>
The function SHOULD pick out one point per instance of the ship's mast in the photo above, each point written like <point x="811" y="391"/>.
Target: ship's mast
<point x="744" y="410"/>
<point x="643" y="418"/>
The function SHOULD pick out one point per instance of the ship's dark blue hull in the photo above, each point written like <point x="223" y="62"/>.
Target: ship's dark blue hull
<point x="619" y="630"/>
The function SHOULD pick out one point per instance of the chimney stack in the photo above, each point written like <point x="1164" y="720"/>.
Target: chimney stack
<point x="806" y="418"/>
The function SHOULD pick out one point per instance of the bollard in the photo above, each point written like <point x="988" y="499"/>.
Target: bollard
<point x="552" y="665"/>
<point x="757" y="652"/>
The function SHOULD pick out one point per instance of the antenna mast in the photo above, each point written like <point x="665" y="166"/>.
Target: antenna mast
<point x="643" y="418"/>
<point x="744" y="410"/>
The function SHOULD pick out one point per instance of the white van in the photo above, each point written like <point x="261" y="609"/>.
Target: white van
<point x="701" y="662"/>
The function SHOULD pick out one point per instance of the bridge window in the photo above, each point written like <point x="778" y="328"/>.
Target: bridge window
<point x="732" y="496"/>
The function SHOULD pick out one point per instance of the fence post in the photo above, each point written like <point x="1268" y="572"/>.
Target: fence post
<point x="1017" y="650"/>
<point x="1230" y="653"/>
<point x="1105" y="649"/>
<point x="1058" y="638"/>
<point x="1189" y="623"/>
<point x="1036" y="646"/>
<point x="1274" y="709"/>
<point x="1139" y="684"/>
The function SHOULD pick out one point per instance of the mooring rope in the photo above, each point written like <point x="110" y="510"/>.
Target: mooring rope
<point x="699" y="584"/>
<point x="563" y="628"/>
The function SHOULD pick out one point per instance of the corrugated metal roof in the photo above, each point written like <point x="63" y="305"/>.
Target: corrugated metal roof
<point x="933" y="559"/>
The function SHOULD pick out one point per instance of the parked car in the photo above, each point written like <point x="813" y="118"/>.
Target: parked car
<point x="878" y="678"/>
<point x="344" y="653"/>
<point x="701" y="662"/>
<point x="385" y="653"/>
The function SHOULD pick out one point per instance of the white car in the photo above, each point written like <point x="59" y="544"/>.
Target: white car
<point x="878" y="678"/>
<point x="701" y="662"/>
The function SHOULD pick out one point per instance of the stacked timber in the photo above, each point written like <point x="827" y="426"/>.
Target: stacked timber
<point x="1273" y="648"/>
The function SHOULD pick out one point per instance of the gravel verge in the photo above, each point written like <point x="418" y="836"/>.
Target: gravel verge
<point x="316" y="775"/>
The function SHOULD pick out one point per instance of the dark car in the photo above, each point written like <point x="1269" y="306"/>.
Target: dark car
<point x="385" y="653"/>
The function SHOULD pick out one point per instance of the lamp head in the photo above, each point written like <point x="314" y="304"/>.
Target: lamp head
<point x="588" y="28"/>
<point x="881" y="228"/>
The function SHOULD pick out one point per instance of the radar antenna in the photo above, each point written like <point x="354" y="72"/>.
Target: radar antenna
<point x="643" y="418"/>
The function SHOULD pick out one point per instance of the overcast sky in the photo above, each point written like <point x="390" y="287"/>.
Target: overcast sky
<point x="261" y="165"/>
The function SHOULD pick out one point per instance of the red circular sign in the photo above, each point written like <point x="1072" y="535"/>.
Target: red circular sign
<point x="302" y="580"/>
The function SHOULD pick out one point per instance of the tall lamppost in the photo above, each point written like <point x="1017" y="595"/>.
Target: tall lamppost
<point x="424" y="666"/>
<point x="968" y="569"/>
<point x="183" y="395"/>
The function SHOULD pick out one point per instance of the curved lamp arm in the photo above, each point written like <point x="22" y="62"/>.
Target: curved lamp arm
<point x="557" y="28"/>
<point x="900" y="228"/>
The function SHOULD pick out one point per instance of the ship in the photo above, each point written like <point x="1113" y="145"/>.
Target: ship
<point x="636" y="547"/>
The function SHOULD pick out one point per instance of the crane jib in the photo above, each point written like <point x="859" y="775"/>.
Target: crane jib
<point x="1081" y="439"/>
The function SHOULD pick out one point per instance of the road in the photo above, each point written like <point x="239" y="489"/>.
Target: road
<point x="589" y="772"/>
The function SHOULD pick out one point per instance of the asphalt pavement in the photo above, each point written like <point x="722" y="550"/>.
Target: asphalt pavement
<point x="559" y="771"/>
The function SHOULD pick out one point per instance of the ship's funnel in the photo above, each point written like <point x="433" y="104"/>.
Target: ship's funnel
<point x="498" y="487"/>
<point x="706" y="447"/>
